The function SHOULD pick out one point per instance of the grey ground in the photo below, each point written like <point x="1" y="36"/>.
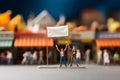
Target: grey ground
<point x="53" y="72"/>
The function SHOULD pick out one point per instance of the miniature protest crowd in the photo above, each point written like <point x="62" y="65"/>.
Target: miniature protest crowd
<point x="69" y="55"/>
<point x="73" y="56"/>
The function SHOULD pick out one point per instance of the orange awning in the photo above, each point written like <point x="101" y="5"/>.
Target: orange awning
<point x="33" y="42"/>
<point x="108" y="43"/>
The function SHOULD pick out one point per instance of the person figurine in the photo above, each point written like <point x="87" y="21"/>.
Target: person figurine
<point x="99" y="56"/>
<point x="116" y="58"/>
<point x="50" y="57"/>
<point x="2" y="58"/>
<point x="73" y="57"/>
<point x="9" y="57"/>
<point x="62" y="55"/>
<point x="87" y="56"/>
<point x="78" y="56"/>
<point x="29" y="57"/>
<point x="106" y="57"/>
<point x="41" y="61"/>
<point x="34" y="57"/>
<point x="69" y="54"/>
<point x="24" y="61"/>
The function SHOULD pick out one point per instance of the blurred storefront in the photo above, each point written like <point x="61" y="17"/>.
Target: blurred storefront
<point x="109" y="41"/>
<point x="6" y="41"/>
<point x="30" y="42"/>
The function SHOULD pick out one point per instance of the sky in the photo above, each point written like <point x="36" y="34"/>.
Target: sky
<point x="70" y="8"/>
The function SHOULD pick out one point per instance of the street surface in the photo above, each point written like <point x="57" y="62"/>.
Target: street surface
<point x="53" y="72"/>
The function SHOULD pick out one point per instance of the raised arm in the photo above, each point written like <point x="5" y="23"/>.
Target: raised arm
<point x="65" y="48"/>
<point x="57" y="48"/>
<point x="69" y="47"/>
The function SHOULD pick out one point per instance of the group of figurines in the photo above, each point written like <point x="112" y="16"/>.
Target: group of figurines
<point x="107" y="57"/>
<point x="37" y="57"/>
<point x="6" y="57"/>
<point x="29" y="58"/>
<point x="73" y="55"/>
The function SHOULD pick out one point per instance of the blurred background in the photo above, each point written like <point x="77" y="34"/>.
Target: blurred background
<point x="92" y="25"/>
